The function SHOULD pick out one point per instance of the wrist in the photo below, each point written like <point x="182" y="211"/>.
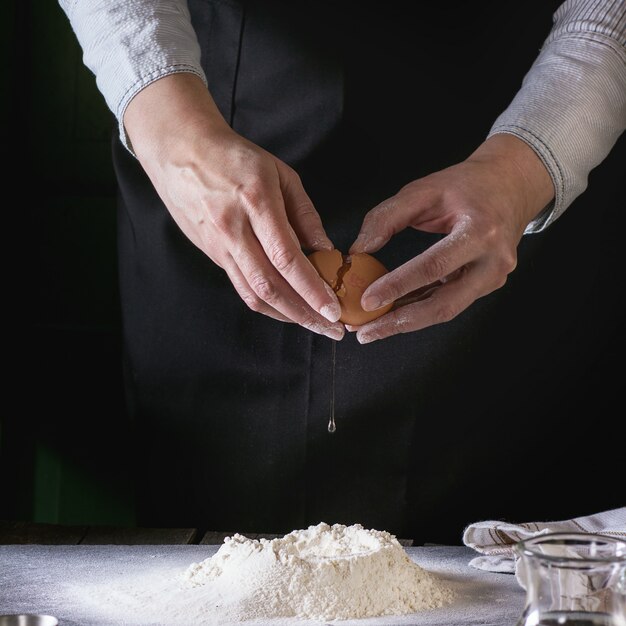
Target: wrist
<point x="522" y="170"/>
<point x="176" y="110"/>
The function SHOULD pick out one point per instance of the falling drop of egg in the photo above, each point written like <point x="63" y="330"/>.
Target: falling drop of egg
<point x="348" y="276"/>
<point x="332" y="427"/>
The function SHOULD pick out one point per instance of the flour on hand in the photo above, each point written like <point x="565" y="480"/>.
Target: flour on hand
<point x="324" y="572"/>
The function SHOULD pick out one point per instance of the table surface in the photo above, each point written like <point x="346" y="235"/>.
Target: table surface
<point x="57" y="580"/>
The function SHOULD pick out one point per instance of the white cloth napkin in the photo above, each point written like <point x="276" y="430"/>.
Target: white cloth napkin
<point x="495" y="540"/>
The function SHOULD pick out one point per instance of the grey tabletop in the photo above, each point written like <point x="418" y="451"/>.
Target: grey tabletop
<point x="76" y="583"/>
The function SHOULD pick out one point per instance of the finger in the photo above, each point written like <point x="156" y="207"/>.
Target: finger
<point x="247" y="294"/>
<point x="386" y="219"/>
<point x="434" y="264"/>
<point x="443" y="305"/>
<point x="271" y="288"/>
<point x="410" y="298"/>
<point x="301" y="213"/>
<point x="275" y="235"/>
<point x="223" y="259"/>
<point x="422" y="293"/>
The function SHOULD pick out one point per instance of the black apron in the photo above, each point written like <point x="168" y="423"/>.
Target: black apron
<point x="231" y="407"/>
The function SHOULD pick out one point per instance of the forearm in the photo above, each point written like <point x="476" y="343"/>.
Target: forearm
<point x="128" y="44"/>
<point x="174" y="111"/>
<point x="572" y="106"/>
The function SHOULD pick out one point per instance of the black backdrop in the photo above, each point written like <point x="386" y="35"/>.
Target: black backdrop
<point x="64" y="451"/>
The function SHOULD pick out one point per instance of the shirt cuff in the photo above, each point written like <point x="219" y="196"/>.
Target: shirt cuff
<point x="570" y="110"/>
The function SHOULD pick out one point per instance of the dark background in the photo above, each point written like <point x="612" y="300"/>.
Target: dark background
<point x="65" y="452"/>
<point x="62" y="446"/>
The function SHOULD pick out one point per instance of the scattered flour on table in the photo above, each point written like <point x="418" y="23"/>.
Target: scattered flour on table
<point x="320" y="573"/>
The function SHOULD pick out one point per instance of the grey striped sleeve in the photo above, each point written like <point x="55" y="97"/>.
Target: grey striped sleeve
<point x="571" y="107"/>
<point x="128" y="44"/>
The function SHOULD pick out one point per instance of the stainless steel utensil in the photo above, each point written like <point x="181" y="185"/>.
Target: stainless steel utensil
<point x="28" y="620"/>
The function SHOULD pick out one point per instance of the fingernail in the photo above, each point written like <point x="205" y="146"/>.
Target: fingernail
<point x="321" y="242"/>
<point x="329" y="291"/>
<point x="360" y="243"/>
<point x="363" y="339"/>
<point x="371" y="303"/>
<point x="332" y="312"/>
<point x="365" y="243"/>
<point x="335" y="333"/>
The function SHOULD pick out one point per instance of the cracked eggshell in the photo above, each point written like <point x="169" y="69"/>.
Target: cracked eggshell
<point x="363" y="271"/>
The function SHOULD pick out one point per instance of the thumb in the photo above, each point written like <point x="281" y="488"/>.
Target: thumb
<point x="383" y="222"/>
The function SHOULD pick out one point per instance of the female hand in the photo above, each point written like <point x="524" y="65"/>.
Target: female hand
<point x="243" y="207"/>
<point x="482" y="205"/>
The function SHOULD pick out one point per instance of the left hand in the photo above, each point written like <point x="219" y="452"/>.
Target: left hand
<point x="483" y="206"/>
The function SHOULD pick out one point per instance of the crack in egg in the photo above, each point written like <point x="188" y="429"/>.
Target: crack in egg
<point x="338" y="286"/>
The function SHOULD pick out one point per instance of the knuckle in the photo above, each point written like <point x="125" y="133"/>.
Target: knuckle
<point x="509" y="262"/>
<point x="294" y="177"/>
<point x="281" y="258"/>
<point x="252" y="302"/>
<point x="500" y="274"/>
<point x="489" y="233"/>
<point x="500" y="281"/>
<point x="263" y="288"/>
<point x="252" y="193"/>
<point x="306" y="209"/>
<point x="444" y="312"/>
<point x="224" y="222"/>
<point x="433" y="268"/>
<point x="402" y="322"/>
<point x="505" y="263"/>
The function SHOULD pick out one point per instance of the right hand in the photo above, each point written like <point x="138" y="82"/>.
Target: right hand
<point x="243" y="207"/>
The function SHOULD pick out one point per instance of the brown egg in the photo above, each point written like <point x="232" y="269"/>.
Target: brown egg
<point x="349" y="276"/>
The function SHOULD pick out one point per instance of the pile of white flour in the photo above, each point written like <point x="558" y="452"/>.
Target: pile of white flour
<point x="321" y="573"/>
<point x="324" y="572"/>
